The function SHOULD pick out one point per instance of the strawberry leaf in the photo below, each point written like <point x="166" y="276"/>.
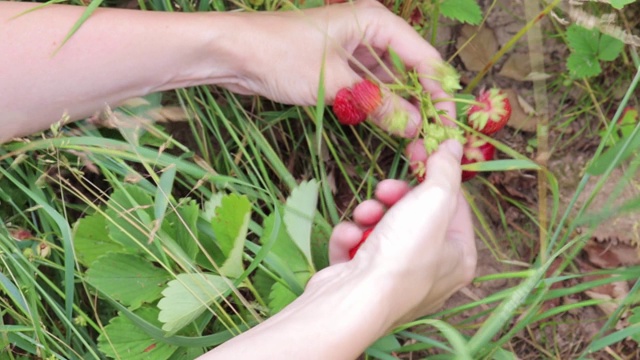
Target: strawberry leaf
<point x="130" y="279"/>
<point x="299" y="213"/>
<point x="609" y="48"/>
<point x="187" y="297"/>
<point x="90" y="239"/>
<point x="122" y="339"/>
<point x="230" y="226"/>
<point x="619" y="4"/>
<point x="465" y="11"/>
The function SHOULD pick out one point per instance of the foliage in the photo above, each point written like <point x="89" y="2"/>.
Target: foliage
<point x="588" y="48"/>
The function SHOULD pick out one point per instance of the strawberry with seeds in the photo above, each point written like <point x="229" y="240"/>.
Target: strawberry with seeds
<point x="353" y="105"/>
<point x="492" y="112"/>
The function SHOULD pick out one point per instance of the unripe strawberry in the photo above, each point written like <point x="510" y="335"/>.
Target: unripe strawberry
<point x="493" y="112"/>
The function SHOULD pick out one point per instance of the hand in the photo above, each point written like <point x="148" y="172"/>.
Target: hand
<point x="292" y="47"/>
<point x="422" y="249"/>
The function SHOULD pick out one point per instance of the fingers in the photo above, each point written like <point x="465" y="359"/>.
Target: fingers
<point x="397" y="116"/>
<point x="390" y="31"/>
<point x="428" y="209"/>
<point x="346" y="235"/>
<point x="391" y="191"/>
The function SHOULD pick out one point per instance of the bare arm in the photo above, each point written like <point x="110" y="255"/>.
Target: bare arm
<point x="105" y="62"/>
<point x="119" y="54"/>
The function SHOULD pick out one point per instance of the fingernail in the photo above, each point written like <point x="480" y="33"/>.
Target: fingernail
<point x="454" y="147"/>
<point x="414" y="124"/>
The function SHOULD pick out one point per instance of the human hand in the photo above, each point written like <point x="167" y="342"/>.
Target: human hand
<point x="293" y="47"/>
<point x="422" y="249"/>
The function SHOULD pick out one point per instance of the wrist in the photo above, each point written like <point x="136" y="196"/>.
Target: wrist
<point x="212" y="51"/>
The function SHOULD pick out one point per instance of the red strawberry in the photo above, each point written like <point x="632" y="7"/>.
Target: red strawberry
<point x="353" y="105"/>
<point x="493" y="112"/>
<point x="367" y="96"/>
<point x="476" y="150"/>
<point x="354" y="249"/>
<point x="346" y="110"/>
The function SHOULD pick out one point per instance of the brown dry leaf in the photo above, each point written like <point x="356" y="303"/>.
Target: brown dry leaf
<point x="520" y="120"/>
<point x="517" y="67"/>
<point x="612" y="293"/>
<point x="610" y="256"/>
<point x="619" y="229"/>
<point x="476" y="53"/>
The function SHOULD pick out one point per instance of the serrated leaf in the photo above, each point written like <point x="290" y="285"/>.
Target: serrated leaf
<point x="211" y="205"/>
<point x="130" y="214"/>
<point x="129" y="279"/>
<point x="163" y="191"/>
<point x="121" y="339"/>
<point x="283" y="247"/>
<point x="298" y="215"/>
<point x="281" y="296"/>
<point x="230" y="226"/>
<point x="90" y="239"/>
<point x="581" y="65"/>
<point x="619" y="4"/>
<point x="582" y="40"/>
<point x="187" y="297"/>
<point x="466" y="11"/>
<point x="609" y="48"/>
<point x="181" y="226"/>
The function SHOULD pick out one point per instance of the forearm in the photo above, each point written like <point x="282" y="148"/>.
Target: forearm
<point x="114" y="56"/>
<point x="336" y="318"/>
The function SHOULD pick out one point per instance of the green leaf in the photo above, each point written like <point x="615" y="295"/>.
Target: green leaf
<point x="122" y="339"/>
<point x="90" y="239"/>
<point x="299" y="213"/>
<point x="619" y="4"/>
<point x="163" y="192"/>
<point x="466" y="11"/>
<point x="502" y="165"/>
<point x="283" y="247"/>
<point x="581" y="66"/>
<point x="281" y="296"/>
<point x="130" y="214"/>
<point x="182" y="227"/>
<point x="130" y="279"/>
<point x="230" y="226"/>
<point x="187" y="297"/>
<point x="600" y="165"/>
<point x="609" y="48"/>
<point x="211" y="205"/>
<point x="582" y="40"/>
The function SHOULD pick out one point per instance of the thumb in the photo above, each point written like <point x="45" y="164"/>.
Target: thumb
<point x="426" y="211"/>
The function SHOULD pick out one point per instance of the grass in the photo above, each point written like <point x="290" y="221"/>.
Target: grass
<point x="65" y="197"/>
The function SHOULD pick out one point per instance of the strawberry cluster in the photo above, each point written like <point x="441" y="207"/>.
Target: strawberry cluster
<point x="490" y="114"/>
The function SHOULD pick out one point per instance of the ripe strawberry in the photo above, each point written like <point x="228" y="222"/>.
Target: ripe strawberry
<point x="346" y="110"/>
<point x="367" y="96"/>
<point x="353" y="105"/>
<point x="475" y="150"/>
<point x="354" y="249"/>
<point x="493" y="112"/>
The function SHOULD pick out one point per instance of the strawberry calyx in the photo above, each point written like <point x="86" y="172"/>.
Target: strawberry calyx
<point x="491" y="112"/>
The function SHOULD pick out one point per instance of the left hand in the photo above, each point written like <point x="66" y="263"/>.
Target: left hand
<point x="346" y="42"/>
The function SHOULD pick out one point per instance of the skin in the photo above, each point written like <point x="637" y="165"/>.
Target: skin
<point x="422" y="248"/>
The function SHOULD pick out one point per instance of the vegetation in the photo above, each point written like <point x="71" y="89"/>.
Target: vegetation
<point x="209" y="212"/>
